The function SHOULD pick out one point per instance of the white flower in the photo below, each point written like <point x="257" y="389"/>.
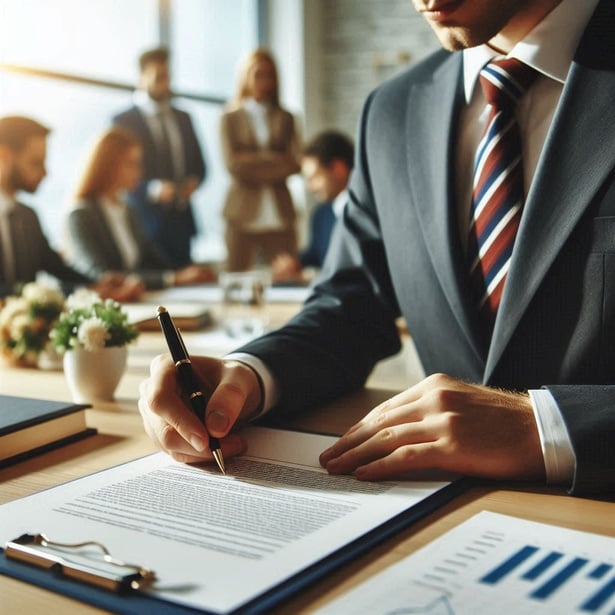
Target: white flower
<point x="34" y="292"/>
<point x="93" y="333"/>
<point x="14" y="306"/>
<point x="19" y="325"/>
<point x="82" y="298"/>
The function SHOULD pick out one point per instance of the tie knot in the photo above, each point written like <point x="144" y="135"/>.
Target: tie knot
<point x="505" y="81"/>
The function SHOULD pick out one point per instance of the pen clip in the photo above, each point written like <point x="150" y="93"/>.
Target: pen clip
<point x="181" y="342"/>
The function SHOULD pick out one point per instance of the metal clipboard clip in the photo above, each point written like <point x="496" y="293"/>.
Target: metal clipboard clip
<point x="89" y="562"/>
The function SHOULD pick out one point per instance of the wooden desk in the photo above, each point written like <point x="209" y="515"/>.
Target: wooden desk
<point x="121" y="437"/>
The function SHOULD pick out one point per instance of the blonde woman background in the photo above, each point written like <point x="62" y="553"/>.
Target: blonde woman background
<point x="105" y="233"/>
<point x="260" y="145"/>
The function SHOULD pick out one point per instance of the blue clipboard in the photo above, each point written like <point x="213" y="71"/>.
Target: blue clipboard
<point x="136" y="602"/>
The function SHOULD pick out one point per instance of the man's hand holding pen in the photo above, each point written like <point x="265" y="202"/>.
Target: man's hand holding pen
<point x="233" y="391"/>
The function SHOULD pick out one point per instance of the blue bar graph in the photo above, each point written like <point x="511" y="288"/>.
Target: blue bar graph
<point x="562" y="567"/>
<point x="544" y="564"/>
<point x="497" y="574"/>
<point x="599" y="598"/>
<point x="599" y="571"/>
<point x="557" y="580"/>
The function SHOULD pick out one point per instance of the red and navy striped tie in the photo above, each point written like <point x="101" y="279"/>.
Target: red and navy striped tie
<point x="498" y="192"/>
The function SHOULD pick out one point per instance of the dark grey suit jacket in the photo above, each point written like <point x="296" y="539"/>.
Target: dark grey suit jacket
<point x="170" y="227"/>
<point x="32" y="253"/>
<point x="95" y="250"/>
<point x="399" y="247"/>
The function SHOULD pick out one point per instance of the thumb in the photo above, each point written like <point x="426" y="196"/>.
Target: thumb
<point x="237" y="395"/>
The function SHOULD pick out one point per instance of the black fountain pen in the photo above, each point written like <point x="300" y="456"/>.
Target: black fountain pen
<point x="187" y="378"/>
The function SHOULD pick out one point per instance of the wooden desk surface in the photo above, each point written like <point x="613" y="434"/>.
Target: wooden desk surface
<point x="121" y="437"/>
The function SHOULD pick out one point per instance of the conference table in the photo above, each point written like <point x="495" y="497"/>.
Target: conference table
<point x="121" y="438"/>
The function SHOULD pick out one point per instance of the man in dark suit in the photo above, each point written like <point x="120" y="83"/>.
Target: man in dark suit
<point x="530" y="396"/>
<point x="24" y="249"/>
<point x="326" y="163"/>
<point x="173" y="164"/>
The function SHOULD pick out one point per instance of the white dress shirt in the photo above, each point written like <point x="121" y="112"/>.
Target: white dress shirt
<point x="116" y="215"/>
<point x="549" y="48"/>
<point x="268" y="218"/>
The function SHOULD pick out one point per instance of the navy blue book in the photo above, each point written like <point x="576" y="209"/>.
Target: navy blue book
<point x="32" y="426"/>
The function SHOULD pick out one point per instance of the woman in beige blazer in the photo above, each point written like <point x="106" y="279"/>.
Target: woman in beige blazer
<point x="260" y="145"/>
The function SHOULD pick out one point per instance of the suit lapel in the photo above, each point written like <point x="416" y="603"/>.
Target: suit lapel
<point x="430" y="121"/>
<point x="564" y="184"/>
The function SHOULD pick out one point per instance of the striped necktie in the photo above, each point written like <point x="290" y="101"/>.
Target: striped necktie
<point x="498" y="192"/>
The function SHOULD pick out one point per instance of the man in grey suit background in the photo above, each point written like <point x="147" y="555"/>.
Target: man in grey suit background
<point x="526" y="393"/>
<point x="173" y="163"/>
<point x="24" y="249"/>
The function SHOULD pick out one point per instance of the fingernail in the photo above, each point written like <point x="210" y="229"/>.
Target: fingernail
<point x="332" y="465"/>
<point x="217" y="421"/>
<point x="198" y="443"/>
<point x="361" y="473"/>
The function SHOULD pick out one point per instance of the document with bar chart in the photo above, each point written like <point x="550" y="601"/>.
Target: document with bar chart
<point x="494" y="563"/>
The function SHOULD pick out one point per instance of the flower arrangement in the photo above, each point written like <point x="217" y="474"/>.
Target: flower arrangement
<point x="91" y="323"/>
<point x="26" y="320"/>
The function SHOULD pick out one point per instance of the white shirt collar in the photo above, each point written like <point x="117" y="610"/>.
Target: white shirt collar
<point x="339" y="202"/>
<point x="148" y="106"/>
<point x="7" y="203"/>
<point x="254" y="107"/>
<point x="549" y="47"/>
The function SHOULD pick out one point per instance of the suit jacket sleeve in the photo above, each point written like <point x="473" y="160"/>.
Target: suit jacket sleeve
<point x="195" y="161"/>
<point x="42" y="257"/>
<point x="589" y="414"/>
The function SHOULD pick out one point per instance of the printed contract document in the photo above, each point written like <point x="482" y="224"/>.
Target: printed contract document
<point x="217" y="542"/>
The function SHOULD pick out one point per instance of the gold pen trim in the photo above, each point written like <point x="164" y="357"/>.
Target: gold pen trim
<point x="182" y="361"/>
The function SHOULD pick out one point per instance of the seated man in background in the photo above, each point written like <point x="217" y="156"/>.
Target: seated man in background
<point x="106" y="234"/>
<point x="326" y="163"/>
<point x="24" y="250"/>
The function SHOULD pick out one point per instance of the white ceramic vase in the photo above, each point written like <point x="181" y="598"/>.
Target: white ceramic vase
<point x="94" y="374"/>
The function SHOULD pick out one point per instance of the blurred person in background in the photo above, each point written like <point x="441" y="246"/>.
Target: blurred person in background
<point x="260" y="145"/>
<point x="24" y="249"/>
<point x="105" y="233"/>
<point x="173" y="163"/>
<point x="326" y="165"/>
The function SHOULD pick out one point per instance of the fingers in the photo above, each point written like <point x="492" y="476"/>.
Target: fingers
<point x="420" y="456"/>
<point x="169" y="422"/>
<point x="397" y="409"/>
<point x="381" y="443"/>
<point x="445" y="424"/>
<point x="165" y="415"/>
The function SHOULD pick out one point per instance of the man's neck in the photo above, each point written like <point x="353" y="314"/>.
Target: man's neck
<point x="522" y="23"/>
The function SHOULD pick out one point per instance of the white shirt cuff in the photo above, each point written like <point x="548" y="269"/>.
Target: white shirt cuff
<point x="559" y="457"/>
<point x="270" y="388"/>
<point x="154" y="187"/>
<point x="168" y="278"/>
